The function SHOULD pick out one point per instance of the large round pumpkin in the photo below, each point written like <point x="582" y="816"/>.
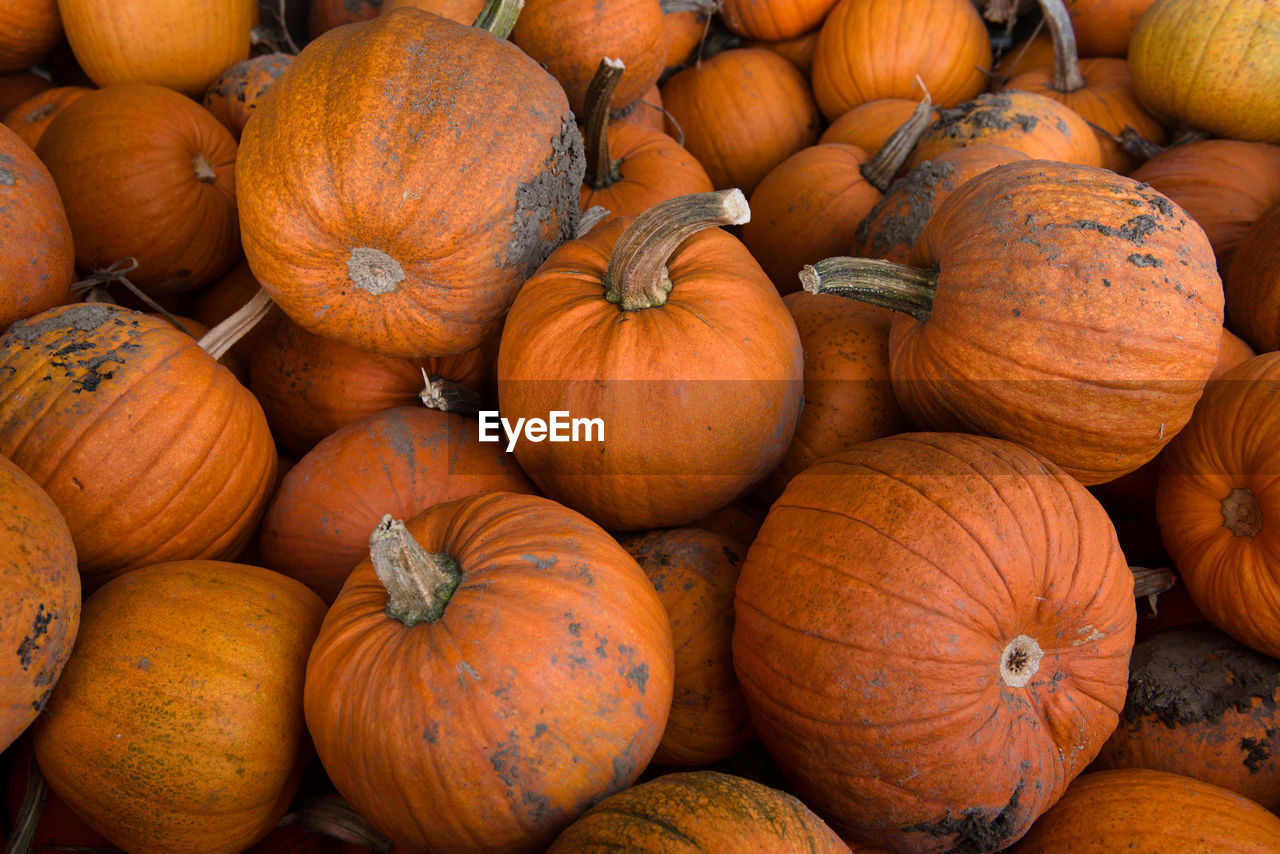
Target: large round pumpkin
<point x="924" y="605"/>
<point x="459" y="173"/>
<point x="29" y="31"/>
<point x="498" y="666"/>
<point x="178" y="722"/>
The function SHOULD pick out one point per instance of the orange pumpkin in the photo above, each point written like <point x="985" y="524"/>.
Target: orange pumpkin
<point x="799" y="50"/>
<point x="1035" y="52"/>
<point x="30" y="118"/>
<point x="1104" y="27"/>
<point x="432" y="270"/>
<point x="1252" y="285"/>
<point x="923" y="597"/>
<point x="685" y="23"/>
<point x="18" y="87"/>
<point x="462" y="11"/>
<point x="869" y="125"/>
<point x="538" y="658"/>
<point x="324" y="15"/>
<point x="223" y="298"/>
<point x="738" y="520"/>
<point x="29" y="31"/>
<point x="235" y="95"/>
<point x="775" y="20"/>
<point x="647" y="112"/>
<point x="178" y="721"/>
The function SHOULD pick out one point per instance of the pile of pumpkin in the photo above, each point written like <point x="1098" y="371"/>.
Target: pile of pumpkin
<point x="908" y="336"/>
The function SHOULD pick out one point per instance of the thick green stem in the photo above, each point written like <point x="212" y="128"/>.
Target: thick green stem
<point x="419" y="583"/>
<point x="601" y="170"/>
<point x="221" y="338"/>
<point x="637" y="275"/>
<point x="897" y="287"/>
<point x="881" y="169"/>
<point x="499" y="17"/>
<point x="448" y="396"/>
<point x="1066" y="60"/>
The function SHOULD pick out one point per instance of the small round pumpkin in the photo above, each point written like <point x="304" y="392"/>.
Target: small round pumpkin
<point x="30" y="118"/>
<point x="29" y="31"/>
<point x="869" y="125"/>
<point x="234" y="96"/>
<point x="776" y="20"/>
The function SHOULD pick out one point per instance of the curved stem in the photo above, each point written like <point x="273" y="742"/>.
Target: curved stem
<point x="419" y="583"/>
<point x="448" y="396"/>
<point x="881" y="169"/>
<point x="601" y="170"/>
<point x="334" y="818"/>
<point x="24" y="827"/>
<point x="897" y="287"/>
<point x="1066" y="59"/>
<point x="499" y="17"/>
<point x="590" y="218"/>
<point x="637" y="275"/>
<point x="221" y="338"/>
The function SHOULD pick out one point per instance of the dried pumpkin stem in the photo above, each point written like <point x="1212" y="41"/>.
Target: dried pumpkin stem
<point x="499" y="17"/>
<point x="221" y="338"/>
<point x="601" y="168"/>
<point x="1152" y="581"/>
<point x="705" y="7"/>
<point x="1242" y="513"/>
<point x="1066" y="59"/>
<point x="637" y="274"/>
<point x="334" y="818"/>
<point x="24" y="827"/>
<point x="1132" y="142"/>
<point x="419" y="583"/>
<point x="448" y="396"/>
<point x="879" y="170"/>
<point x="897" y="287"/>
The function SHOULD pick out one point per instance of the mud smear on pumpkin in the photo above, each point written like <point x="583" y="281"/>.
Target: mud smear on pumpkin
<point x="976" y="831"/>
<point x="986" y="112"/>
<point x="551" y="197"/>
<point x="919" y="189"/>
<point x="1134" y="231"/>
<point x="1258" y="750"/>
<point x="31" y="643"/>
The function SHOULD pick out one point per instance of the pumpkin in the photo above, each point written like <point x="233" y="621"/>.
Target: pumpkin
<point x="1223" y="184"/>
<point x="799" y="50"/>
<point x="631" y="168"/>
<point x="1252" y="284"/>
<point x="151" y="450"/>
<point x="1046" y="323"/>
<point x="739" y="520"/>
<point x="178" y="216"/>
<point x="178" y="721"/>
<point x="869" y="125"/>
<point x="324" y="15"/>
<point x="38" y="264"/>
<point x="56" y="828"/>
<point x="892" y="228"/>
<point x="1096" y="89"/>
<point x="462" y="11"/>
<point x="157" y="43"/>
<point x="1104" y="27"/>
<point x="870" y="49"/>
<point x="774" y="21"/>
<point x="1203" y="706"/>
<point x="569" y="36"/>
<point x="433" y="274"/>
<point x="1039" y="127"/>
<point x="29" y="31"/>
<point x="538" y="658"/>
<point x="923" y="598"/>
<point x="223" y="298"/>
<point x="696" y="811"/>
<point x="1215" y="496"/>
<point x="41" y="601"/>
<point x="671" y="335"/>
<point x="18" y="87"/>
<point x="30" y="118"/>
<point x="694" y="572"/>
<point x="1035" y="52"/>
<point x="402" y="461"/>
<point x="1210" y="64"/>
<point x="686" y="24"/>
<point x="233" y="97"/>
<point x="1141" y="810"/>
<point x="741" y="113"/>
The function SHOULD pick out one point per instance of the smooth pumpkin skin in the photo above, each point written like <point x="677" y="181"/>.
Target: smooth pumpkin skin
<point x="699" y="811"/>
<point x="19" y="86"/>
<point x="869" y="125"/>
<point x="157" y="43"/>
<point x="309" y="386"/>
<point x="651" y="166"/>
<point x="30" y="118"/>
<point x="41" y="610"/>
<point x="1039" y="127"/>
<point x="1104" y="27"/>
<point x="487" y="208"/>
<point x="1151" y="811"/>
<point x="874" y="614"/>
<point x="1252" y="285"/>
<point x="151" y="449"/>
<point x="870" y="49"/>
<point x="29" y="31"/>
<point x="178" y="722"/>
<point x="233" y="97"/>
<point x="742" y="112"/>
<point x="324" y="15"/>
<point x="543" y="688"/>
<point x="738" y="520"/>
<point x="893" y="226"/>
<point x="1066" y="295"/>
<point x="699" y="397"/>
<point x="1231" y="576"/>
<point x="1204" y="706"/>
<point x="1036" y="52"/>
<point x="771" y="20"/>
<point x="38" y="264"/>
<point x="462" y="11"/>
<point x="1210" y="64"/>
<point x="695" y="572"/>
<point x="799" y="50"/>
<point x="805" y="209"/>
<point x="400" y="461"/>
<point x="148" y="174"/>
<point x="647" y="112"/>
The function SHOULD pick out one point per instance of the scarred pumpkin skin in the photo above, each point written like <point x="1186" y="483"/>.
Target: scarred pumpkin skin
<point x="30" y="118"/>
<point x="1252" y="285"/>
<point x="29" y="31"/>
<point x="235" y="95"/>
<point x="420" y="254"/>
<point x="925" y="597"/>
<point x="1204" y="706"/>
<point x="542" y="688"/>
<point x="770" y="20"/>
<point x="178" y="724"/>
<point x="41" y="610"/>
<point x="699" y="811"/>
<point x="1151" y="811"/>
<point x="151" y="449"/>
<point x="37" y="266"/>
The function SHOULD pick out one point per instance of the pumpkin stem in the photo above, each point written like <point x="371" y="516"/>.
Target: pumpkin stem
<point x="590" y="218"/>
<point x="1242" y="513"/>
<point x="1066" y="59"/>
<point x="221" y="338"/>
<point x="1020" y="661"/>
<point x="499" y="17"/>
<point x="448" y="396"/>
<point x="705" y="7"/>
<point x="334" y="818"/>
<point x="96" y="285"/>
<point x="24" y="826"/>
<point x="419" y="583"/>
<point x="897" y="287"/>
<point x="1149" y="583"/>
<point x="880" y="170"/>
<point x="1132" y="142"/>
<point x="204" y="169"/>
<point x="637" y="275"/>
<point x="602" y="170"/>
